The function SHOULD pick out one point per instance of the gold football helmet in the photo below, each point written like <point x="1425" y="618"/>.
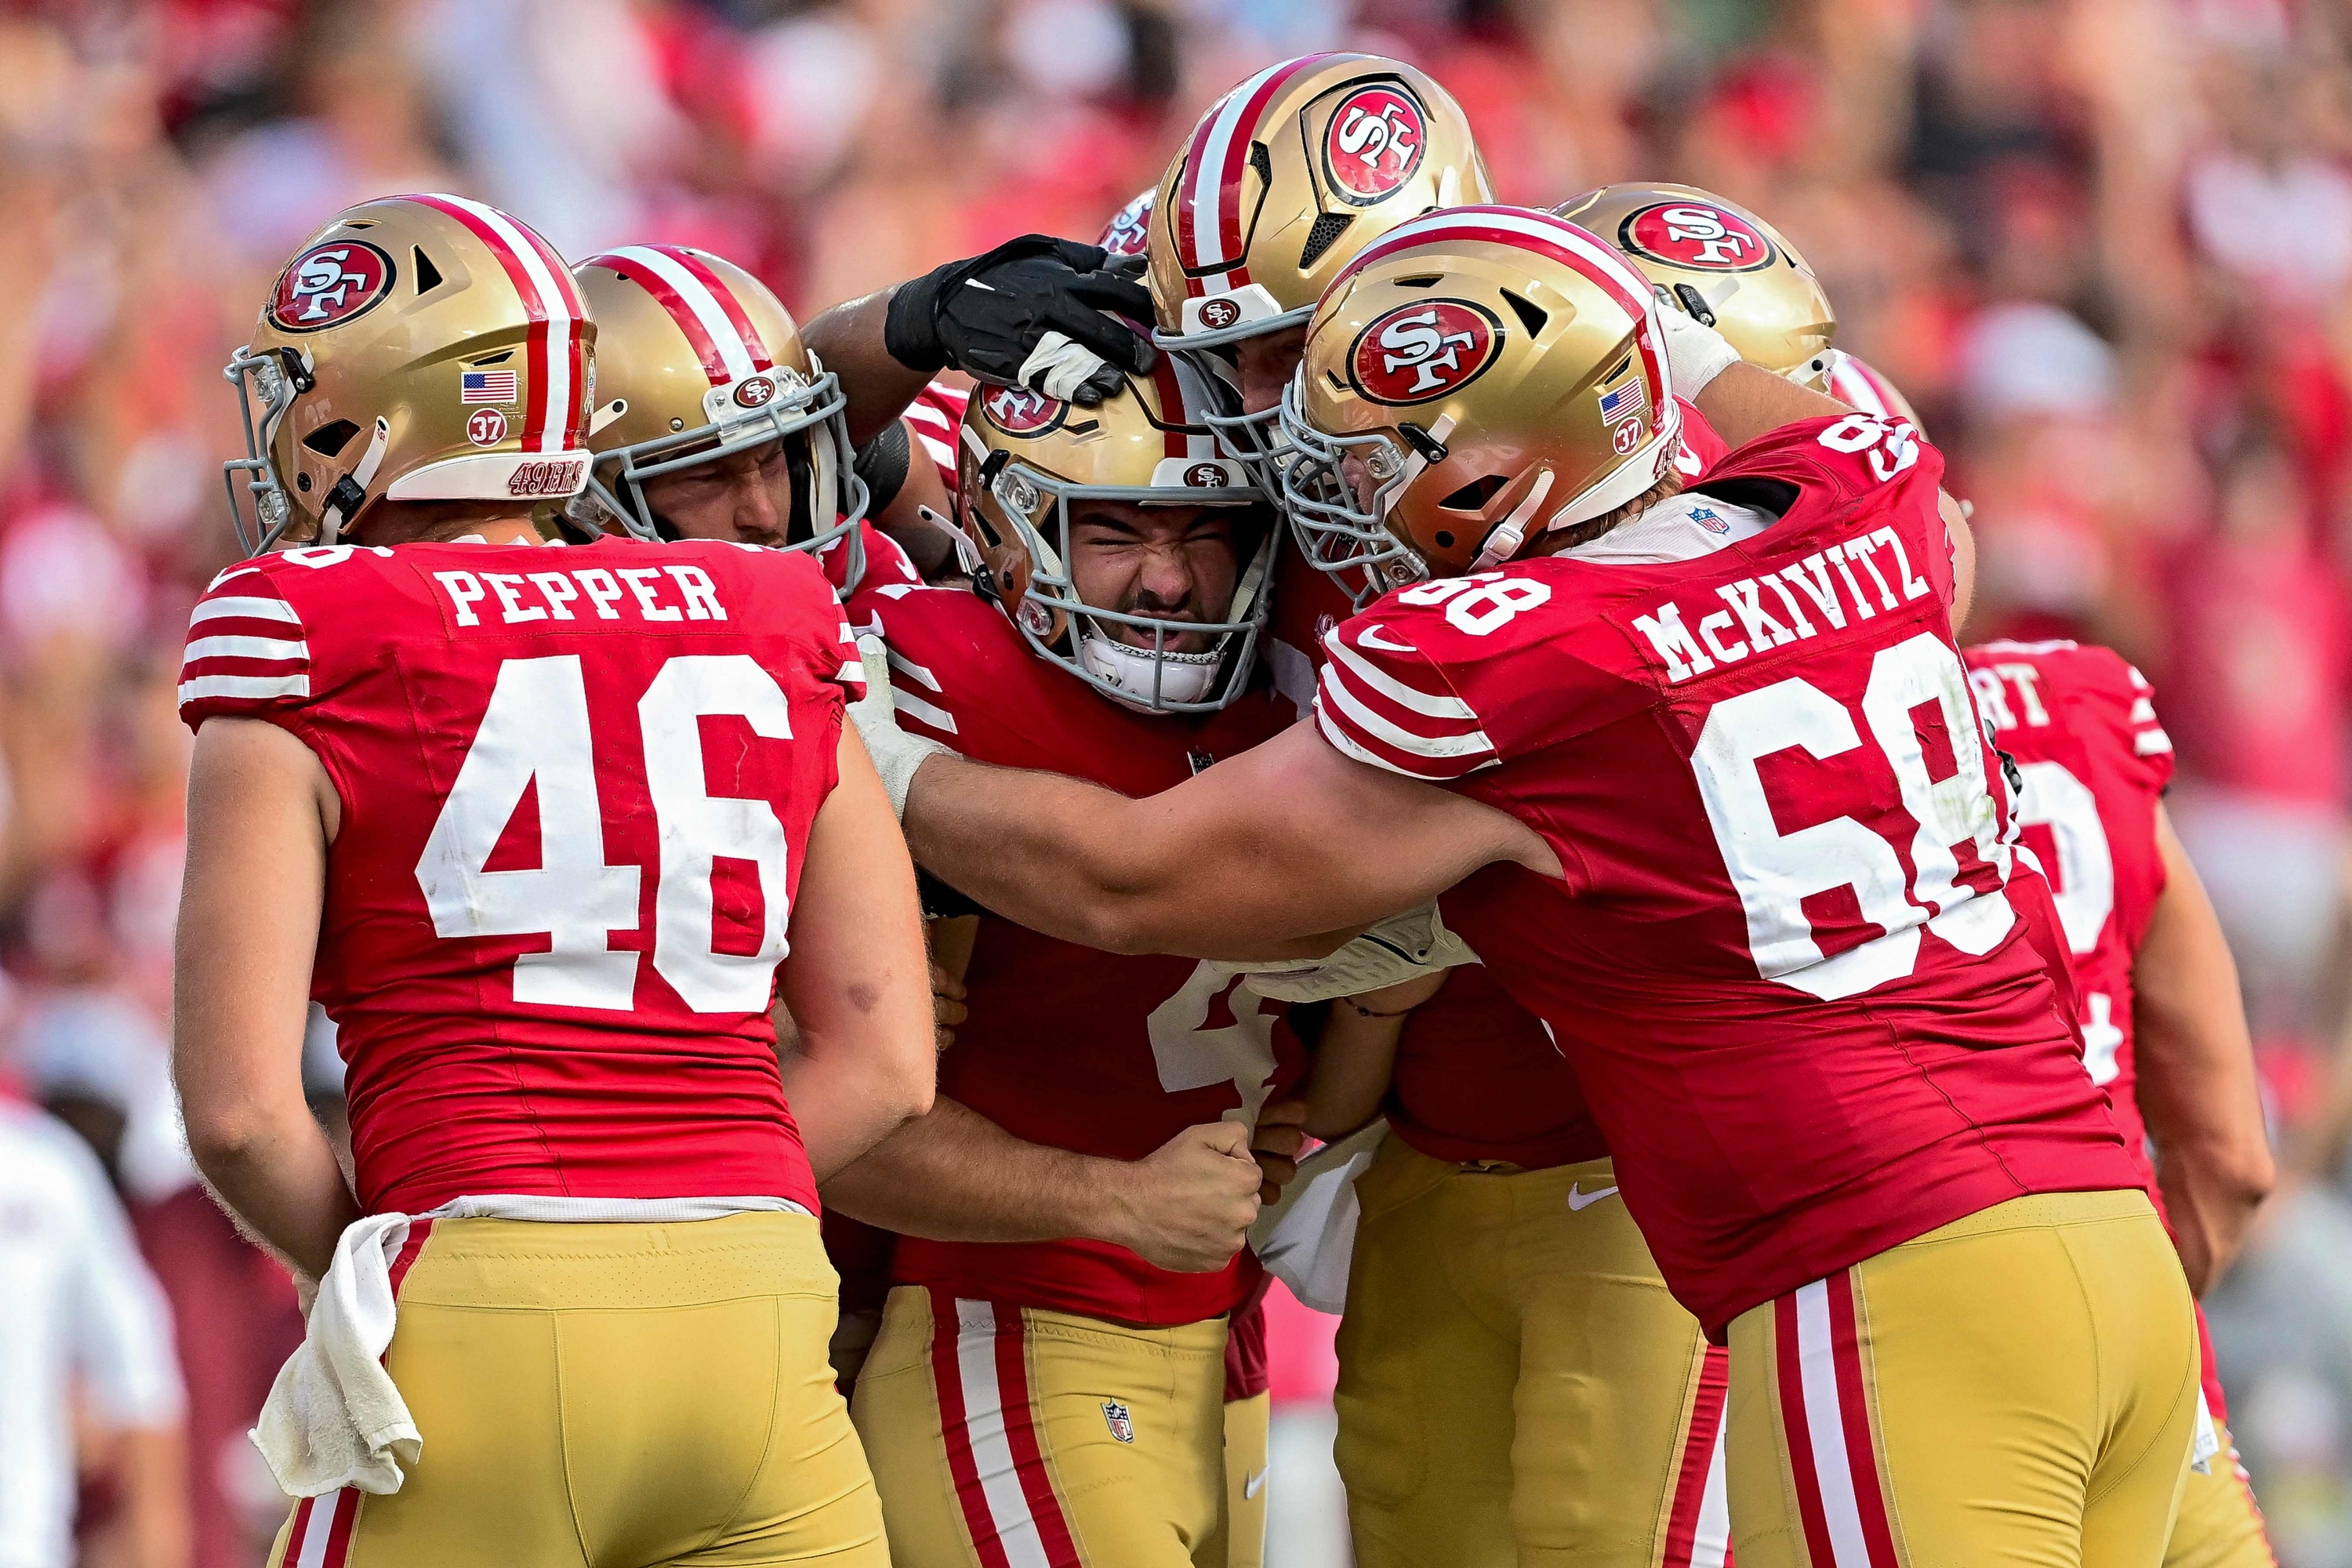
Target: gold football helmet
<point x="701" y="361"/>
<point x="1481" y="376"/>
<point x="1281" y="184"/>
<point x="1025" y="459"/>
<point x="419" y="348"/>
<point x="1724" y="267"/>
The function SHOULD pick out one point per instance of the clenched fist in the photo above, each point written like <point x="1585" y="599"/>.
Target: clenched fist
<point x="1189" y="1204"/>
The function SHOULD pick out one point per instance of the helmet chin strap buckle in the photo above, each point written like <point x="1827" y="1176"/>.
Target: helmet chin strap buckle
<point x="350" y="493"/>
<point x="1512" y="531"/>
<point x="1695" y="304"/>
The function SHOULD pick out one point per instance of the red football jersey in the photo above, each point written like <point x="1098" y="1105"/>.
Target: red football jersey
<point x="1103" y="1053"/>
<point x="1475" y="1077"/>
<point x="1782" y="960"/>
<point x="934" y="418"/>
<point x="2081" y="724"/>
<point x="1857" y="386"/>
<point x="1309" y="603"/>
<point x="1248" y="1373"/>
<point x="885" y="560"/>
<point x="577" y="786"/>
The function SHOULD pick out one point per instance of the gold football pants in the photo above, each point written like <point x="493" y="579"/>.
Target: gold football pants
<point x="2018" y="1387"/>
<point x="1515" y="1386"/>
<point x="1007" y="1436"/>
<point x="1248" y="1425"/>
<point x="2220" y="1525"/>
<point x="611" y="1396"/>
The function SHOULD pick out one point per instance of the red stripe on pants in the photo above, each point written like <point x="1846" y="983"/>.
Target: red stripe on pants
<point x="947" y="1376"/>
<point x="1020" y="1436"/>
<point x="1697" y="1460"/>
<point x="1798" y="1439"/>
<point x="1854" y="1410"/>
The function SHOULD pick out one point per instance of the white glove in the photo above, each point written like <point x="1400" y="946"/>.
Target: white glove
<point x="1399" y="948"/>
<point x="1059" y="367"/>
<point x="896" y="753"/>
<point x="1696" y="354"/>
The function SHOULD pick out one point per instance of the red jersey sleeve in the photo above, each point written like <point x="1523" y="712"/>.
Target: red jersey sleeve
<point x="1384" y="700"/>
<point x="934" y="419"/>
<point x="247" y="654"/>
<point x="1702" y="448"/>
<point x="2151" y="745"/>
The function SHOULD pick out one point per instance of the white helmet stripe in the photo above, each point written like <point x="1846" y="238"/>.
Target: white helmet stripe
<point x="697" y="297"/>
<point x="562" y="324"/>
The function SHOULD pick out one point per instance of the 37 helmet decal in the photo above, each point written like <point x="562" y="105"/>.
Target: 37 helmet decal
<point x="1420" y="352"/>
<point x="1019" y="411"/>
<point x="329" y="284"/>
<point x="1696" y="235"/>
<point x="1374" y="143"/>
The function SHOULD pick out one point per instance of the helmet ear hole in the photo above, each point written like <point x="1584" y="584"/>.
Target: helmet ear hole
<point x="1476" y="495"/>
<point x="329" y="440"/>
<point x="1531" y="315"/>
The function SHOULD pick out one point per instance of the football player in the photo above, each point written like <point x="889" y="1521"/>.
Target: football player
<point x="2095" y="762"/>
<point x="2163" y="1028"/>
<point x="1725" y="267"/>
<point x="714" y="421"/>
<point x="1249" y="1401"/>
<point x="1722" y="819"/>
<point x="544" y="830"/>
<point x="1572" y="1413"/>
<point x="1037" y="1396"/>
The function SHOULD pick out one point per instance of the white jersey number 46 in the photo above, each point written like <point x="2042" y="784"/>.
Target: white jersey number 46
<point x="536" y="727"/>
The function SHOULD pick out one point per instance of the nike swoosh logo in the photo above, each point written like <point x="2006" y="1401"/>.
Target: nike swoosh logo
<point x="1370" y="637"/>
<point x="1580" y="1200"/>
<point x="1253" y="1485"/>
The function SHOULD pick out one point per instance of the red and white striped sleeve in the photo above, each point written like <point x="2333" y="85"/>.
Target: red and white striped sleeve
<point x="851" y="676"/>
<point x="1863" y="388"/>
<point x="247" y="655"/>
<point x="2148" y="739"/>
<point x="1381" y="701"/>
<point x="934" y="418"/>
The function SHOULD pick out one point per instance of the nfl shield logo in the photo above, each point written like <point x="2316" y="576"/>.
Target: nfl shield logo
<point x="1122" y="1426"/>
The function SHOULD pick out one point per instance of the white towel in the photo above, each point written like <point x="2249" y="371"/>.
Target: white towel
<point x="334" y="1419"/>
<point x="1308" y="1239"/>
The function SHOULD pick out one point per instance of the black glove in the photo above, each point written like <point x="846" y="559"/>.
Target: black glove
<point x="986" y="315"/>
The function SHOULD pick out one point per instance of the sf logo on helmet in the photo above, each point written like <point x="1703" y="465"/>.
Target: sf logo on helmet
<point x="1689" y="233"/>
<point x="328" y="284"/>
<point x="1374" y="143"/>
<point x="1416" y="352"/>
<point x="1020" y="411"/>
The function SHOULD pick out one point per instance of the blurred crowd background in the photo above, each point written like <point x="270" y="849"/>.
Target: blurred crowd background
<point x="2105" y="245"/>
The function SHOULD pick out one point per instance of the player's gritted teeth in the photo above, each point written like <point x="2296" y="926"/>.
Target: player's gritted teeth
<point x="1174" y="564"/>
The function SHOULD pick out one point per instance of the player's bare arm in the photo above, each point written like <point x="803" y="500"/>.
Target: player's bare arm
<point x="2197" y="1086"/>
<point x="1356" y="1056"/>
<point x="261" y="813"/>
<point x="1266" y="855"/>
<point x="858" y="980"/>
<point x="954" y="1176"/>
